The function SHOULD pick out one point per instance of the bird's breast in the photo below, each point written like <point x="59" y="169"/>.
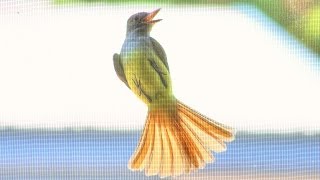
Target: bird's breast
<point x="142" y="78"/>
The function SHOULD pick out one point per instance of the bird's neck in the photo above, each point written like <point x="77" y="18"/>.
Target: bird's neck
<point x="137" y="33"/>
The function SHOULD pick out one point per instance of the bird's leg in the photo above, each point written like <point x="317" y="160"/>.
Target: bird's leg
<point x="137" y="82"/>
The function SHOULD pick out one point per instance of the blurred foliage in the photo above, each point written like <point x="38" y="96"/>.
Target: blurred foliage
<point x="301" y="18"/>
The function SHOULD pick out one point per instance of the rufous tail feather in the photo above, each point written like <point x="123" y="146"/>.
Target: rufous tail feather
<point x="177" y="142"/>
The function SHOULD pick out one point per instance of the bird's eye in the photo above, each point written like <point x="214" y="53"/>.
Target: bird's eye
<point x="136" y="18"/>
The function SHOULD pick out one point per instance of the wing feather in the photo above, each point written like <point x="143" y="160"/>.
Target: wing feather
<point x="119" y="69"/>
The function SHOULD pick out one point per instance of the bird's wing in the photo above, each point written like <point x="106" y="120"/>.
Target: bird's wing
<point x="160" y="52"/>
<point x="161" y="71"/>
<point x="119" y="69"/>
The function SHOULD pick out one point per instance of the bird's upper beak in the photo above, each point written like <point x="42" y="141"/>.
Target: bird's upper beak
<point x="149" y="18"/>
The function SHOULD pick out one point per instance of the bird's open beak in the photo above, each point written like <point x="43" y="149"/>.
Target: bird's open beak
<point x="149" y="18"/>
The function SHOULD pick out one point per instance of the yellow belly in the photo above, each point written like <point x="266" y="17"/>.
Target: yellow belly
<point x="144" y="81"/>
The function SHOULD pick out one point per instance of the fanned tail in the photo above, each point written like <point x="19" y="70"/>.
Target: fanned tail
<point x="178" y="141"/>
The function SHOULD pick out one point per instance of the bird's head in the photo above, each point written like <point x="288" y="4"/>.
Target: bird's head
<point x="141" y="23"/>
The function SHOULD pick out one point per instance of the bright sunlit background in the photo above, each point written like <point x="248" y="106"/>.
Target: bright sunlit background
<point x="234" y="64"/>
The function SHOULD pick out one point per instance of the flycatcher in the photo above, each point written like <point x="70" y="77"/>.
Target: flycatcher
<point x="176" y="139"/>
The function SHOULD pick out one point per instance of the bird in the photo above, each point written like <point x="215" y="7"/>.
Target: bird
<point x="176" y="139"/>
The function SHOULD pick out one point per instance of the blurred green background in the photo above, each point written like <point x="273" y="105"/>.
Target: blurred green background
<point x="301" y="18"/>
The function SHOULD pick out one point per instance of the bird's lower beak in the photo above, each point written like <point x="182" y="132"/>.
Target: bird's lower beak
<point x="149" y="18"/>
